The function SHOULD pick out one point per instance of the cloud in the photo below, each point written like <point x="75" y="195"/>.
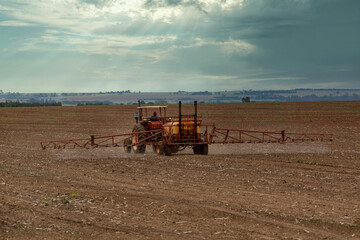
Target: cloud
<point x="236" y="47"/>
<point x="212" y="43"/>
<point x="205" y="6"/>
<point x="14" y="23"/>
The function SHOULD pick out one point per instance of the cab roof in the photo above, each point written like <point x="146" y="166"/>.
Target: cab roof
<point x="148" y="107"/>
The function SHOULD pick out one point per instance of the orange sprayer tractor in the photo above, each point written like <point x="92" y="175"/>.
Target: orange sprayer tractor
<point x="170" y="134"/>
<point x="166" y="134"/>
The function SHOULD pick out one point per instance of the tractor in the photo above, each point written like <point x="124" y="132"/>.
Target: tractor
<point x="168" y="134"/>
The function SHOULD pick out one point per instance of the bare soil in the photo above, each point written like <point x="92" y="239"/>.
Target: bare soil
<point x="239" y="191"/>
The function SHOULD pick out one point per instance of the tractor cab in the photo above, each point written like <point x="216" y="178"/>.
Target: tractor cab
<point x="151" y="117"/>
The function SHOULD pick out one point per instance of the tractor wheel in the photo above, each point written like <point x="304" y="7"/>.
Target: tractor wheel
<point x="204" y="149"/>
<point x="197" y="149"/>
<point x="127" y="146"/>
<point x="174" y="149"/>
<point x="136" y="138"/>
<point x="159" y="149"/>
<point x="167" y="150"/>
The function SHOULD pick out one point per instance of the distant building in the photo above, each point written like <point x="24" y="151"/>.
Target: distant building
<point x="246" y="99"/>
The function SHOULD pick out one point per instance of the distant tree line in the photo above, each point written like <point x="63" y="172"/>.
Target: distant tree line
<point x="25" y="104"/>
<point x="88" y="103"/>
<point x="202" y="93"/>
<point x="18" y="95"/>
<point x="93" y="104"/>
<point x="312" y="97"/>
<point x="115" y="92"/>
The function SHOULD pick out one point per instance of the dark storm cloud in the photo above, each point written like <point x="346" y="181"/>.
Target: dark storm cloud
<point x="316" y="39"/>
<point x="313" y="40"/>
<point x="174" y="3"/>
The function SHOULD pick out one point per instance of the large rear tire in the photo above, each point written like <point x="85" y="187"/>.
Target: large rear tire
<point x="136" y="138"/>
<point x="174" y="149"/>
<point x="167" y="150"/>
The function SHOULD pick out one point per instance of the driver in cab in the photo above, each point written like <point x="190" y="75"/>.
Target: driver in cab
<point x="154" y="117"/>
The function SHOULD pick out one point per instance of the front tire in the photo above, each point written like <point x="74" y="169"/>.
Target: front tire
<point x="159" y="148"/>
<point x="197" y="149"/>
<point x="202" y="149"/>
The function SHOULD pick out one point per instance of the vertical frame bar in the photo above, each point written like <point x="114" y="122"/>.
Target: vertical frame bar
<point x="195" y="120"/>
<point x="92" y="140"/>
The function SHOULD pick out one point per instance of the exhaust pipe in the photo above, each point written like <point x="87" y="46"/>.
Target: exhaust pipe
<point x="180" y="129"/>
<point x="139" y="112"/>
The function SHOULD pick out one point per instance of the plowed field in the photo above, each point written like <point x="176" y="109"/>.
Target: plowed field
<point x="240" y="191"/>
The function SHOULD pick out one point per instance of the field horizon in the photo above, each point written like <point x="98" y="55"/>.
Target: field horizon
<point x="131" y="97"/>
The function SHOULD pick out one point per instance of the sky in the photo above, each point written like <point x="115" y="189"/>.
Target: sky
<point x="171" y="45"/>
